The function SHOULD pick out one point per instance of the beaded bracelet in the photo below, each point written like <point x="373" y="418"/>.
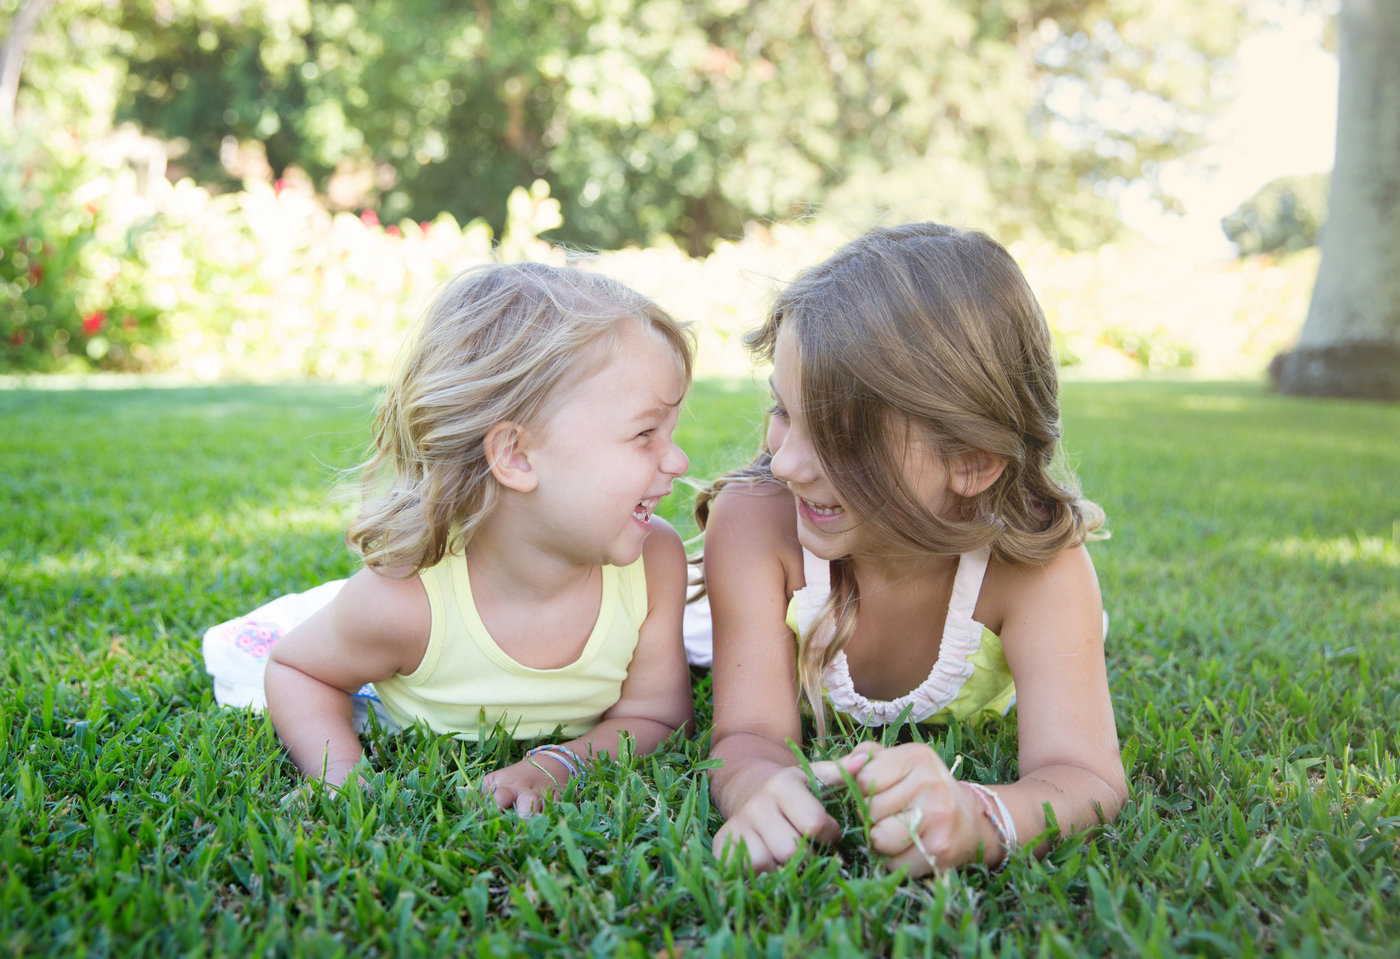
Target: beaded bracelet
<point x="995" y="810"/>
<point x="565" y="756"/>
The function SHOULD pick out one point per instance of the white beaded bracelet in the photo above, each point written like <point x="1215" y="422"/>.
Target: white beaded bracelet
<point x="566" y="757"/>
<point x="995" y="810"/>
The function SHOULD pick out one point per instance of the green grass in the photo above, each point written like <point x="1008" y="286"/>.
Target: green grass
<point x="1253" y="581"/>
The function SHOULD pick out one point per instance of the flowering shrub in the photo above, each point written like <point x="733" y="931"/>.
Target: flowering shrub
<point x="48" y="222"/>
<point x="100" y="271"/>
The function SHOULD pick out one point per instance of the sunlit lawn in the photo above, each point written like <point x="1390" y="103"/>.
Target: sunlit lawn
<point x="1253" y="583"/>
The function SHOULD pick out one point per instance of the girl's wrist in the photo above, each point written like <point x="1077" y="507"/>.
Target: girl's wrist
<point x="1003" y="827"/>
<point x="562" y="756"/>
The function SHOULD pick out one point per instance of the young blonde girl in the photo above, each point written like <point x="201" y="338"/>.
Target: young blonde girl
<point x="904" y="552"/>
<point x="514" y="572"/>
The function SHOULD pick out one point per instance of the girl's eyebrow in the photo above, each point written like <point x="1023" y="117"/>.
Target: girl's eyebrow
<point x="657" y="412"/>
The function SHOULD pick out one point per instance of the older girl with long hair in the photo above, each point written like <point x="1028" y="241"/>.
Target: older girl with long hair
<point x="909" y="548"/>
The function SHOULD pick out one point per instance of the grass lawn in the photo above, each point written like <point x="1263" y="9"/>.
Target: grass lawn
<point x="1253" y="582"/>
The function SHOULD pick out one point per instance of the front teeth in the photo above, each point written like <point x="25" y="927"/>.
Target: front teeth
<point x="823" y="510"/>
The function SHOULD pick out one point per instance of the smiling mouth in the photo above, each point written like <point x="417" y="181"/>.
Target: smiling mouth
<point x="643" y="511"/>
<point x="818" y="509"/>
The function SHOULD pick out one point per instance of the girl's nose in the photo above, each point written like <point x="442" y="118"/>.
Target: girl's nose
<point x="792" y="460"/>
<point x="675" y="462"/>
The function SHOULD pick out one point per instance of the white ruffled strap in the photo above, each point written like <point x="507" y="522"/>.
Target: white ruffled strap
<point x="962" y="637"/>
<point x="809" y="600"/>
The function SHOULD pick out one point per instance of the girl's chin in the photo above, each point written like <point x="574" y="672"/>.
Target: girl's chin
<point x="821" y="545"/>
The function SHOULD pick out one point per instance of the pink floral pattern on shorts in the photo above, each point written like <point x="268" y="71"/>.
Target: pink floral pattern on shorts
<point x="256" y="638"/>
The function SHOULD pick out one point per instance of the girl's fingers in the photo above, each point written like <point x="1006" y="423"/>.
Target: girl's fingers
<point x="528" y="803"/>
<point x="902" y="777"/>
<point x="920" y="861"/>
<point x="829" y="771"/>
<point x="893" y="835"/>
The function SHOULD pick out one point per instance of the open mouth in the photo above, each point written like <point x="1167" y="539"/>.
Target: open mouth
<point x="822" y="510"/>
<point x="643" y="511"/>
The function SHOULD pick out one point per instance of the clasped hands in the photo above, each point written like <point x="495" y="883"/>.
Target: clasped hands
<point x="919" y="815"/>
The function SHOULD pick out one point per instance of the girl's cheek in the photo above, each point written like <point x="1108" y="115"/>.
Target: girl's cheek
<point x="777" y="432"/>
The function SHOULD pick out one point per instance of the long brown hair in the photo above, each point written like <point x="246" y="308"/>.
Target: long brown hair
<point x="929" y="331"/>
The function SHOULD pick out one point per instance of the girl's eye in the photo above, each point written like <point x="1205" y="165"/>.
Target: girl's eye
<point x="778" y="411"/>
<point x="644" y="434"/>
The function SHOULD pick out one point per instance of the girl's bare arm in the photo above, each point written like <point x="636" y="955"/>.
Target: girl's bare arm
<point x="752" y="565"/>
<point x="1052" y="634"/>
<point x="375" y="627"/>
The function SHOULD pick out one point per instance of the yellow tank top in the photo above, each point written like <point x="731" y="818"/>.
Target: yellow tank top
<point x="466" y="683"/>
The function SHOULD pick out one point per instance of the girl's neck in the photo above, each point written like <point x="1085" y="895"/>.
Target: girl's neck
<point x="521" y="568"/>
<point x="896" y="568"/>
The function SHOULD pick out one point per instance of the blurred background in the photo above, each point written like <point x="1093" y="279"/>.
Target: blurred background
<point x="271" y="189"/>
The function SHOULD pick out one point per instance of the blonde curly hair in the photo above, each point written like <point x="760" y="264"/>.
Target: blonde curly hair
<point x="499" y="342"/>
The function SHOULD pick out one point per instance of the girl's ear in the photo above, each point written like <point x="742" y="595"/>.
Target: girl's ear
<point x="505" y="449"/>
<point x="975" y="472"/>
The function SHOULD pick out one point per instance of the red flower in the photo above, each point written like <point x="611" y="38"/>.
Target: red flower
<point x="391" y="230"/>
<point x="36" y="274"/>
<point x="369" y="218"/>
<point x="279" y="185"/>
<point x="93" y="322"/>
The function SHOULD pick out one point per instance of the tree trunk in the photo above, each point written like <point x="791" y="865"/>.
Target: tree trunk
<point x="1350" y="342"/>
<point x="12" y="53"/>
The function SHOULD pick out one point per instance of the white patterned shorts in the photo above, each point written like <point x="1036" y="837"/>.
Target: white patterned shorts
<point x="236" y="651"/>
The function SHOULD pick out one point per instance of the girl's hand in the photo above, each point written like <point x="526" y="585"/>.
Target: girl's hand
<point x="524" y="785"/>
<point x="334" y="781"/>
<point x="920" y="816"/>
<point x="770" y="825"/>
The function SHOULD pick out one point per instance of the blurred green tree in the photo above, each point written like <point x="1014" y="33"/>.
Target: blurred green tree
<point x="689" y="118"/>
<point x="1283" y="216"/>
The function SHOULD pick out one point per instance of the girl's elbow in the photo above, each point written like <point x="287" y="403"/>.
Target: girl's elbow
<point x="1116" y="795"/>
<point x="683" y="720"/>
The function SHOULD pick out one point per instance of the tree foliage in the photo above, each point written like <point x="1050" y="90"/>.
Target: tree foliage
<point x="685" y="118"/>
<point x="1285" y="215"/>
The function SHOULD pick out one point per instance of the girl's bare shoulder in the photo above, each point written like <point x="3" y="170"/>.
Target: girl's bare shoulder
<point x="740" y="504"/>
<point x="385" y="605"/>
<point x="1018" y="592"/>
<point x="753" y="517"/>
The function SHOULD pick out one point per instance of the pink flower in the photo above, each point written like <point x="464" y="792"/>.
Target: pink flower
<point x="369" y="218"/>
<point x="279" y="185"/>
<point x="94" y="321"/>
<point x="392" y="230"/>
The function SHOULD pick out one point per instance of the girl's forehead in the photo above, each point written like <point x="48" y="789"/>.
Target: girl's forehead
<point x="786" y="350"/>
